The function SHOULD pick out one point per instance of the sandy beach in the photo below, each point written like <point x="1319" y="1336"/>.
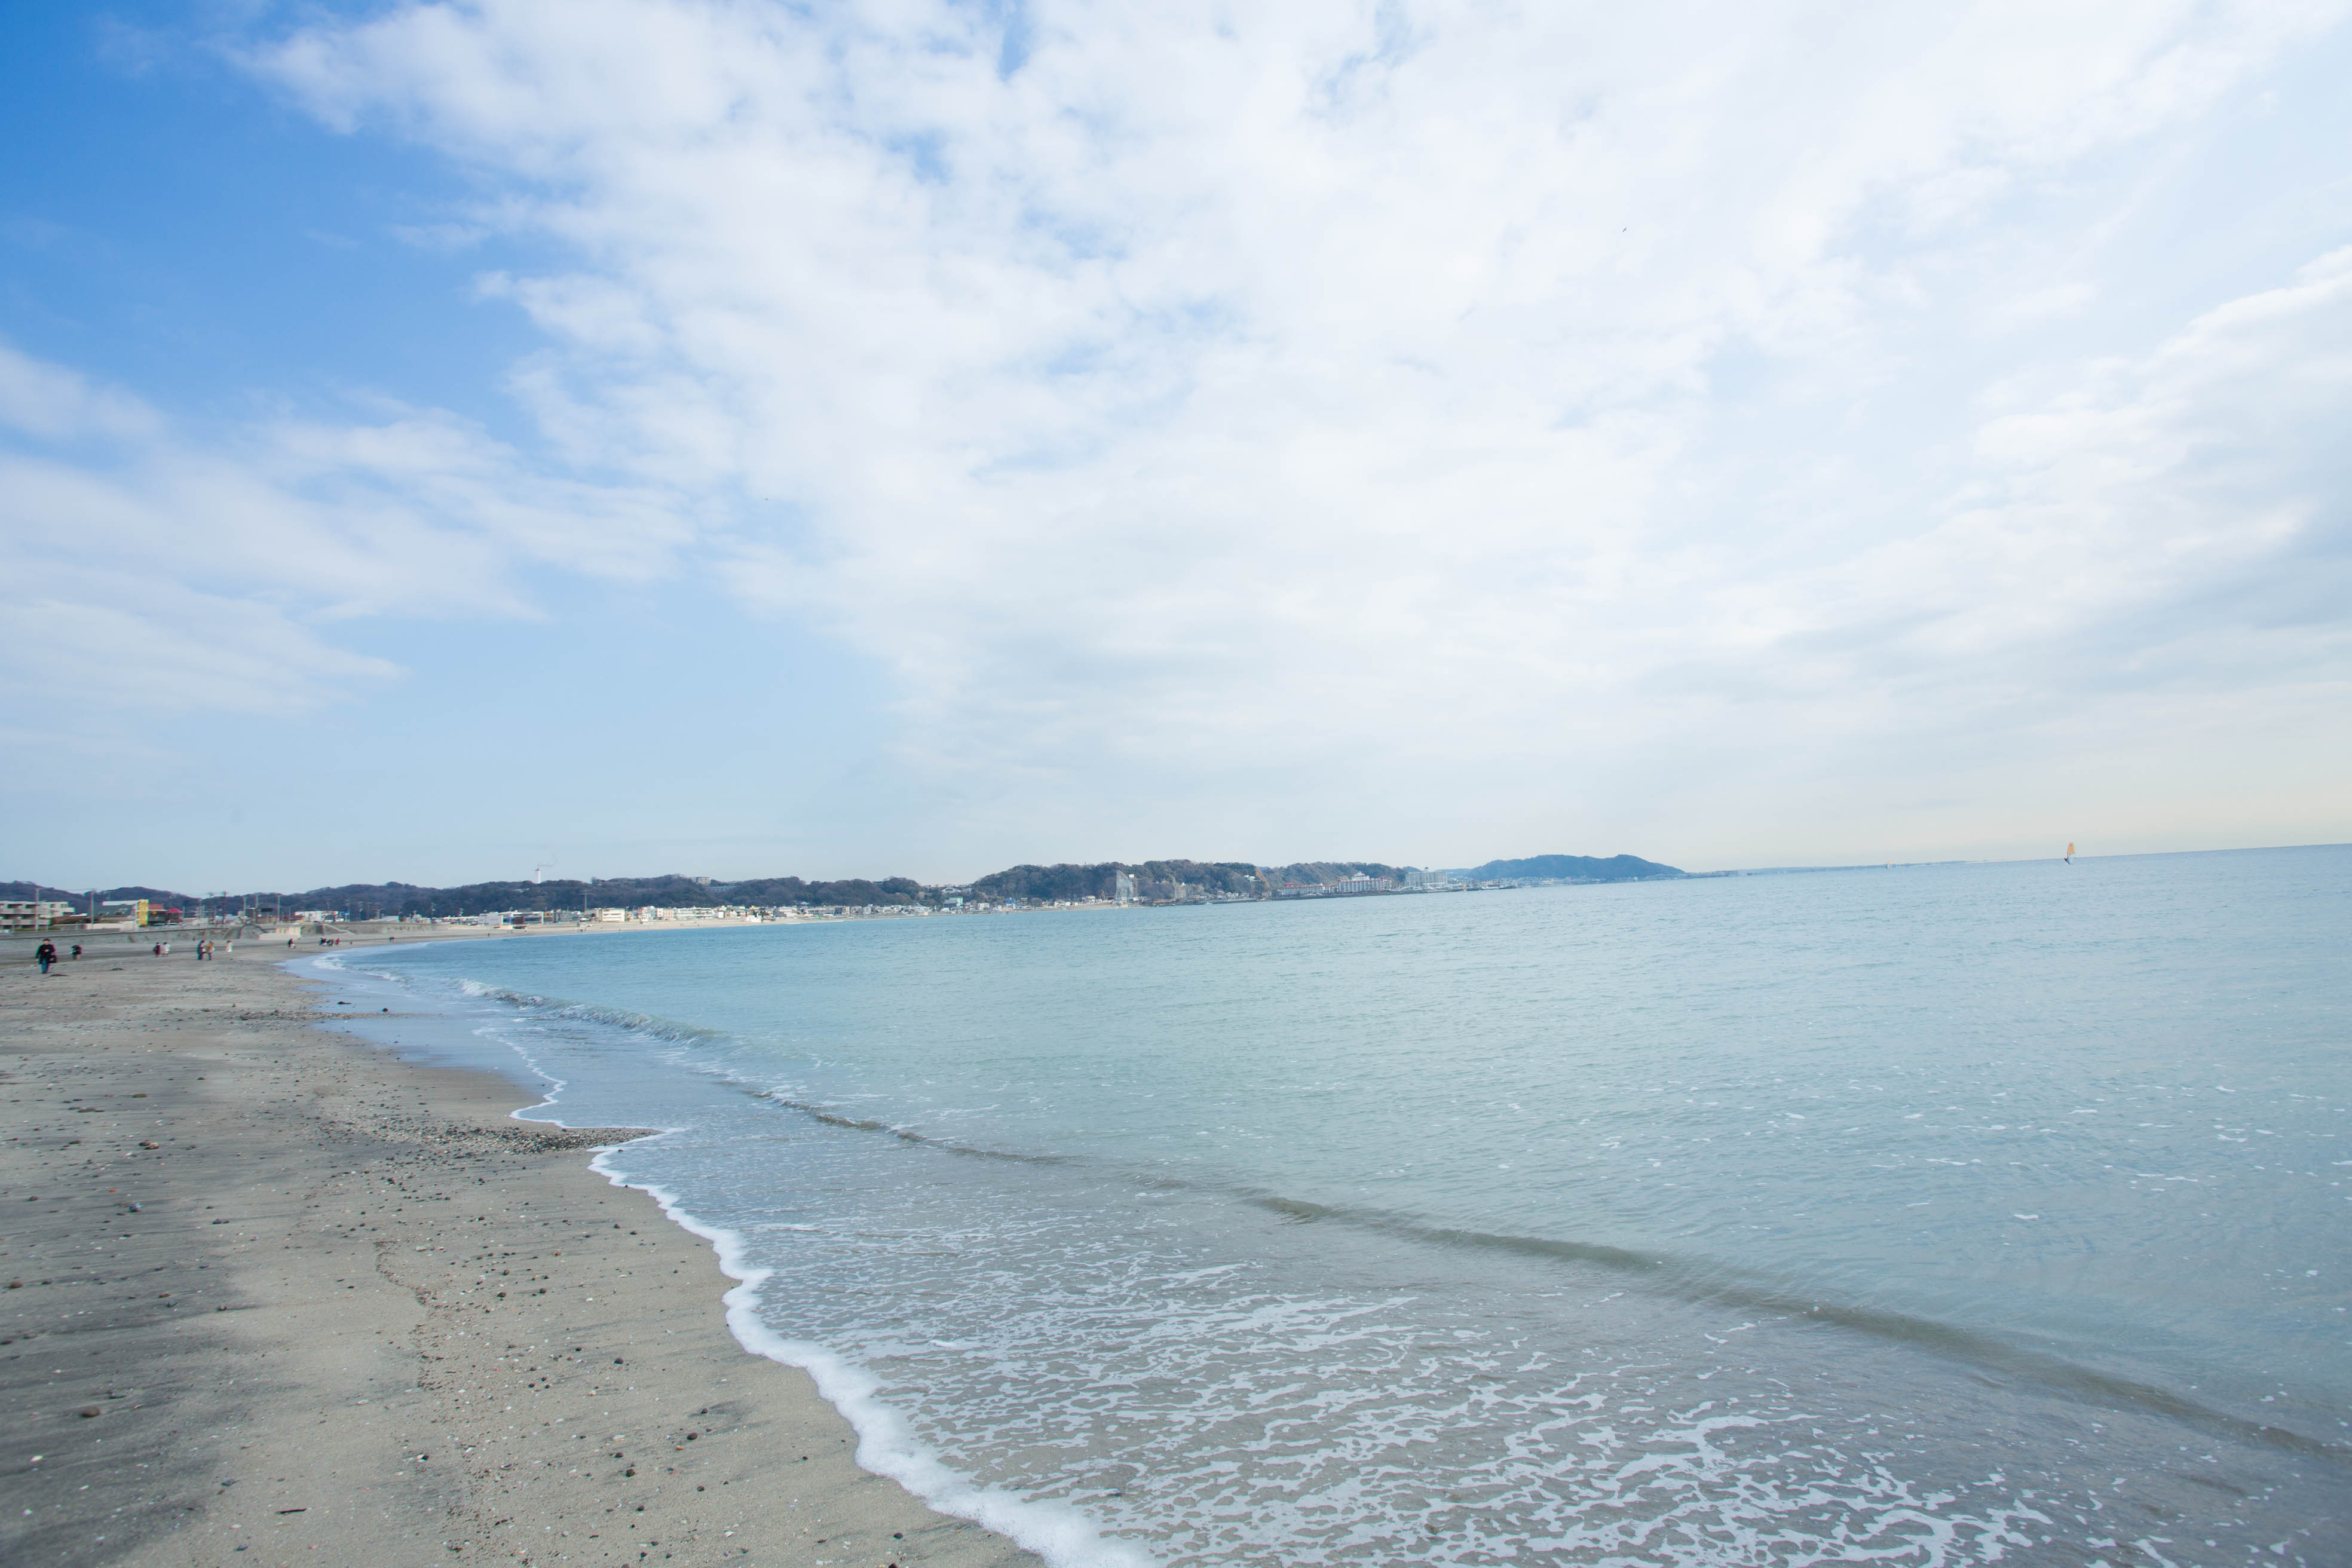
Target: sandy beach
<point x="274" y="1296"/>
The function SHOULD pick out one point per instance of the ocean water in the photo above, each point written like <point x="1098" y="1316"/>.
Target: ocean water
<point x="1949" y="1214"/>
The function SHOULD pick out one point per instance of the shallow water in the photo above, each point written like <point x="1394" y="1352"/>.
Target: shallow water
<point x="1948" y="1214"/>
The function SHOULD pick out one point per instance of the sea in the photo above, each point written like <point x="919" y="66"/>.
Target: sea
<point x="1969" y="1214"/>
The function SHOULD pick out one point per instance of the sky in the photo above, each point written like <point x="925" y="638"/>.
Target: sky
<point x="440" y="442"/>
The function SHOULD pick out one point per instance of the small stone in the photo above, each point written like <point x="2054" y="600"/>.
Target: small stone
<point x="86" y="1411"/>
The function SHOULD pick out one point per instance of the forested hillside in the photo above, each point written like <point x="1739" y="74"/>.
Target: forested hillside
<point x="1154" y="880"/>
<point x="1578" y="869"/>
<point x="1096" y="881"/>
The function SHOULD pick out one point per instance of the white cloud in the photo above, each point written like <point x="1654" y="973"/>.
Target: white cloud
<point x="1222" y="392"/>
<point x="54" y="404"/>
<point x="131" y="640"/>
<point x="151" y="565"/>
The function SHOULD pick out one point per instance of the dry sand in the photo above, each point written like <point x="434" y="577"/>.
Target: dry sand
<point x="272" y="1296"/>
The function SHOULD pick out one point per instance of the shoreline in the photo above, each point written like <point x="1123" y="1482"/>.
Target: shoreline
<point x="273" y="1294"/>
<point x="18" y="946"/>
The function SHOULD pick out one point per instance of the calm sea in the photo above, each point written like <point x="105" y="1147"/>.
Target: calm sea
<point x="1936" y="1215"/>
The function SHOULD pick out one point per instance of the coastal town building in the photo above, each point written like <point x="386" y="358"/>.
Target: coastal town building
<point x="1355" y="884"/>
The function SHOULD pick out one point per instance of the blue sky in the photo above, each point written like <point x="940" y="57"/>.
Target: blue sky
<point x="441" y="440"/>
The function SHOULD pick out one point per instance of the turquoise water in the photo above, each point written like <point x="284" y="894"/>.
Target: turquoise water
<point x="1962" y="1214"/>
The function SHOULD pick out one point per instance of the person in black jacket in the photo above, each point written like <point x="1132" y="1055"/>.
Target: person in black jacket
<point x="47" y="953"/>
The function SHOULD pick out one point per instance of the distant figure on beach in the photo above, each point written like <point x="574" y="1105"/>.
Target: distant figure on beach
<point x="76" y="950"/>
<point x="47" y="953"/>
<point x="159" y="949"/>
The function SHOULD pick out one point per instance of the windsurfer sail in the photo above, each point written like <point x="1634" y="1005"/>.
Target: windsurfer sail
<point x="2069" y="852"/>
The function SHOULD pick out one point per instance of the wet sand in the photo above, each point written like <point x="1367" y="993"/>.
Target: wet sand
<point x="273" y="1296"/>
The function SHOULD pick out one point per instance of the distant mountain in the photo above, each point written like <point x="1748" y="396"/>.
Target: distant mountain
<point x="1099" y="880"/>
<point x="1577" y="869"/>
<point x="1154" y="879"/>
<point x="673" y="891"/>
<point x="79" y="897"/>
<point x="371" y="899"/>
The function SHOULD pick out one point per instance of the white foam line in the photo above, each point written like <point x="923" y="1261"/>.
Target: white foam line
<point x="1060" y="1534"/>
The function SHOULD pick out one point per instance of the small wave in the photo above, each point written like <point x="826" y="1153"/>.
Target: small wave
<point x="646" y="1024"/>
<point x="908" y="1134"/>
<point x="650" y="1025"/>
<point x="1709" y="1283"/>
<point x="1062" y="1536"/>
<point x="1695" y="1281"/>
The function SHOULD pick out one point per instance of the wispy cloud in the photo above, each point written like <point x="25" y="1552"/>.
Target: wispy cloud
<point x="129" y="542"/>
<point x="1254" y="387"/>
<point x="1601" y="413"/>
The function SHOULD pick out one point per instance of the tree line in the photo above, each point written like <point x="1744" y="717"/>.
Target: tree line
<point x="1027" y="884"/>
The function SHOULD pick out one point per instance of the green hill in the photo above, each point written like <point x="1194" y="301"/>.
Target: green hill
<point x="1577" y="869"/>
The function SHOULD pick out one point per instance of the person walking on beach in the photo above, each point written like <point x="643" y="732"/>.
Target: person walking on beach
<point x="77" y="950"/>
<point x="47" y="953"/>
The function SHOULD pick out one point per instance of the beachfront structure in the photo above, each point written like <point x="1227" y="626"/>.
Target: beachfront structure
<point x="33" y="914"/>
<point x="1355" y="884"/>
<point x="1123" y="887"/>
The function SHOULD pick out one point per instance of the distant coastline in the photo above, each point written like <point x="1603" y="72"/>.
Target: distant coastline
<point x="620" y="900"/>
